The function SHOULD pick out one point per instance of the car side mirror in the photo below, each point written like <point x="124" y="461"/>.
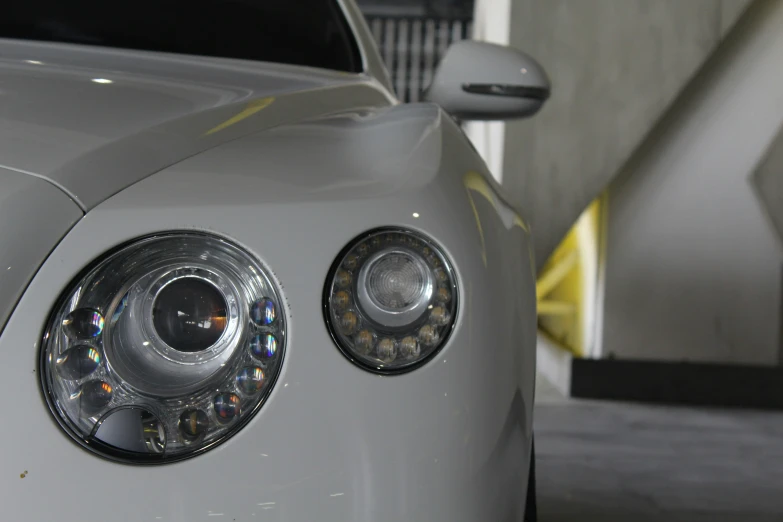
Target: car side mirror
<point x="483" y="81"/>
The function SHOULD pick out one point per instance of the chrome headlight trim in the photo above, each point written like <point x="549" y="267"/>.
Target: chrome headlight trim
<point x="452" y="285"/>
<point x="112" y="453"/>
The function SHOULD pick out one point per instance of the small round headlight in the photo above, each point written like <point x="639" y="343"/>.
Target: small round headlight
<point x="193" y="345"/>
<point x="391" y="300"/>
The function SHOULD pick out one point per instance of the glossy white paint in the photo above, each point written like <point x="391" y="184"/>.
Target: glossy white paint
<point x="291" y="164"/>
<point x="159" y="108"/>
<point x="449" y="441"/>
<point x="34" y="216"/>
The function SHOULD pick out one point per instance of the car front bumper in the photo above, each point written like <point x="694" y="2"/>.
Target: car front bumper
<point x="449" y="441"/>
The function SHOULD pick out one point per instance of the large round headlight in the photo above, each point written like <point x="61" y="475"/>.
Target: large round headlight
<point x="391" y="300"/>
<point x="164" y="348"/>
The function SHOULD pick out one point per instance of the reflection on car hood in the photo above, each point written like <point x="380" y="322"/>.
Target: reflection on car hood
<point x="94" y="121"/>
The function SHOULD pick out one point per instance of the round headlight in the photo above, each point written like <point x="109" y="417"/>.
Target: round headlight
<point x="391" y="300"/>
<point x="164" y="348"/>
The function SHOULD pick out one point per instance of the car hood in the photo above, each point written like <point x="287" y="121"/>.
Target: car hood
<point x="93" y="121"/>
<point x="34" y="216"/>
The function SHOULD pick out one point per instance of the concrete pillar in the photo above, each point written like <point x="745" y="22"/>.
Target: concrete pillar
<point x="694" y="264"/>
<point x="491" y="24"/>
<point x="615" y="67"/>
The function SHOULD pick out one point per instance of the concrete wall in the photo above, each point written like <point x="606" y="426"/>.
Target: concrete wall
<point x="768" y="182"/>
<point x="615" y="67"/>
<point x="693" y="262"/>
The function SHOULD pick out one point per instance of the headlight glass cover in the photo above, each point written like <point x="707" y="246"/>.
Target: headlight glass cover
<point x="391" y="300"/>
<point x="164" y="348"/>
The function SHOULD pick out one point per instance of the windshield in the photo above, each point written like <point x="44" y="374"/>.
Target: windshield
<point x="302" y="32"/>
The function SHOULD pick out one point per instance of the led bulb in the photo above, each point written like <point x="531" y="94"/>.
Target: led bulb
<point x="349" y="322"/>
<point x="428" y="335"/>
<point x="227" y="407"/>
<point x="342" y="279"/>
<point x="387" y="350"/>
<point x="439" y="316"/>
<point x="250" y="380"/>
<point x="193" y="425"/>
<point x="264" y="346"/>
<point x="83" y="323"/>
<point x="409" y="348"/>
<point x="263" y="312"/>
<point x="364" y="342"/>
<point x="78" y="362"/>
<point x="341" y="300"/>
<point x="351" y="262"/>
<point x="94" y="396"/>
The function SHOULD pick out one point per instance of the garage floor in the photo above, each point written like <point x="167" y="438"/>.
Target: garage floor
<point x="611" y="462"/>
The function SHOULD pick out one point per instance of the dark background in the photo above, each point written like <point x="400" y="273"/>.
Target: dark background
<point x="440" y="8"/>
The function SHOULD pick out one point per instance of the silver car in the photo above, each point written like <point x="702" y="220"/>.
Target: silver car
<point x="240" y="281"/>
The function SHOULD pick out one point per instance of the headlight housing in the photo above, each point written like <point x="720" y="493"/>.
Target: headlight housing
<point x="391" y="300"/>
<point x="164" y="348"/>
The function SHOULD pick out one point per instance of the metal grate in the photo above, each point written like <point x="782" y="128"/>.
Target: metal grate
<point x="412" y="47"/>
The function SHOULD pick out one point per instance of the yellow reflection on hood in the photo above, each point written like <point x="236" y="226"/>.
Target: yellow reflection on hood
<point x="252" y="108"/>
<point x="478" y="184"/>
